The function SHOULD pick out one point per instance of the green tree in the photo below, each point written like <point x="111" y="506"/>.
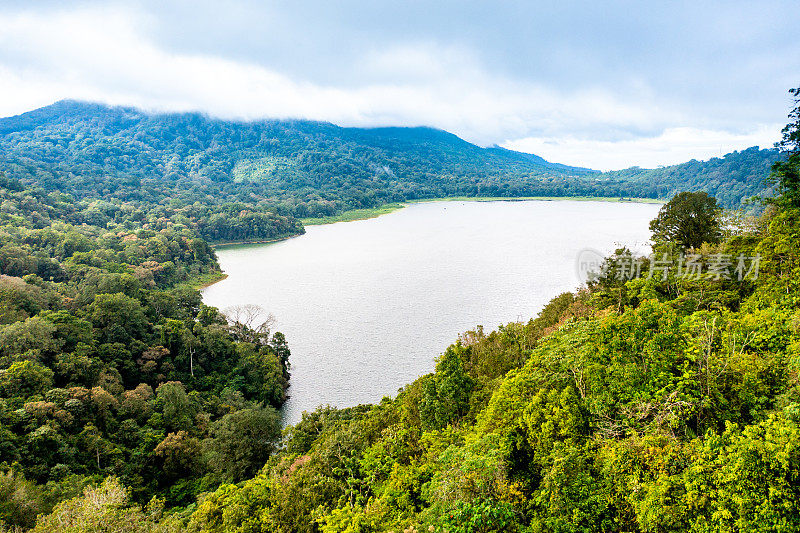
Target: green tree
<point x="243" y="441"/>
<point x="786" y="174"/>
<point x="262" y="374"/>
<point x="747" y="479"/>
<point x="119" y="318"/>
<point x="446" y="395"/>
<point x="104" y="508"/>
<point x="34" y="336"/>
<point x="25" y="378"/>
<point x="790" y="143"/>
<point x="689" y="219"/>
<point x="178" y="410"/>
<point x="20" y="500"/>
<point x="179" y="454"/>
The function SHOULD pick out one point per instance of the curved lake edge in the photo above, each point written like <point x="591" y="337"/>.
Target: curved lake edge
<point x="347" y="288"/>
<point x="225" y="244"/>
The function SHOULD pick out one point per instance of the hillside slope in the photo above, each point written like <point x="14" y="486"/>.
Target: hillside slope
<point x="311" y="169"/>
<point x="733" y="178"/>
<point x="305" y="168"/>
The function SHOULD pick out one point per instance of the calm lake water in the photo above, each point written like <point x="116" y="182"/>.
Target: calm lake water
<point x="367" y="306"/>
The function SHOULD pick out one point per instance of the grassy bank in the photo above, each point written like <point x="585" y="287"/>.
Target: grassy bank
<point x="204" y="280"/>
<point x="354" y="214"/>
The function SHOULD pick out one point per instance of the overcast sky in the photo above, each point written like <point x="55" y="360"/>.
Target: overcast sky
<point x="605" y="84"/>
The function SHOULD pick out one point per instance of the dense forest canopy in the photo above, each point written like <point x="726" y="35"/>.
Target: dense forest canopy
<point x="111" y="365"/>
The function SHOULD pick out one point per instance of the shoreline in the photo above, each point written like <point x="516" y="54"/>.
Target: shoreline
<point x="354" y="214"/>
<point x="373" y="212"/>
<point x="202" y="281"/>
<point x="205" y="284"/>
<point x="225" y="244"/>
<point x="621" y="200"/>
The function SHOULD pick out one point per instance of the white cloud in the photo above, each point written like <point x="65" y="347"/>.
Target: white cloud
<point x="108" y="55"/>
<point x="674" y="145"/>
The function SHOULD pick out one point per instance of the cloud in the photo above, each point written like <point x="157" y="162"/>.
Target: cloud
<point x="674" y="145"/>
<point x="114" y="55"/>
<point x="106" y="55"/>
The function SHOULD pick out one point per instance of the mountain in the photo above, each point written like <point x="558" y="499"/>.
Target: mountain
<point x="733" y="178"/>
<point x="302" y="168"/>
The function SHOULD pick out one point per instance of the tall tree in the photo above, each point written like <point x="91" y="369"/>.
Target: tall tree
<point x="791" y="132"/>
<point x="689" y="219"/>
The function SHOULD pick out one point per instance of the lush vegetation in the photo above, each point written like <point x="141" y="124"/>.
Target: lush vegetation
<point x="111" y="365"/>
<point x="211" y="170"/>
<point x="656" y="398"/>
<point x="689" y="220"/>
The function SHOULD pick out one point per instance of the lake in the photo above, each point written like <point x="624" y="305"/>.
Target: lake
<point x="366" y="306"/>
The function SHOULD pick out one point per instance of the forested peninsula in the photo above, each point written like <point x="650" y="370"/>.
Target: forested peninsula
<point x="654" y="401"/>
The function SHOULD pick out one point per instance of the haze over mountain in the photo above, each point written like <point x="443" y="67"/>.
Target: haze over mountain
<point x="599" y="85"/>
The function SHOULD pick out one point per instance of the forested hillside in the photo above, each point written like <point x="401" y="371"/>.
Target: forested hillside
<point x="733" y="179"/>
<point x="301" y="168"/>
<point x="111" y="365"/>
<point x="309" y="169"/>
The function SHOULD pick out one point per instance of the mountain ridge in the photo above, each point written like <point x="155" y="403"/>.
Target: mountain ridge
<point x="308" y="168"/>
<point x="72" y="107"/>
